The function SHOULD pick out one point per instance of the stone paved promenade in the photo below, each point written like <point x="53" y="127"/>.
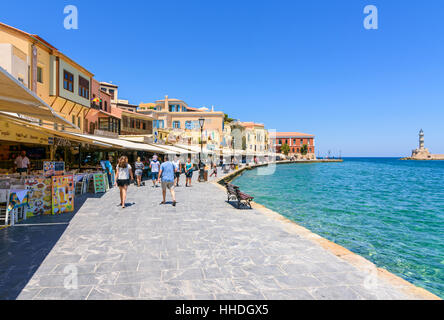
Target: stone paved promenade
<point x="202" y="249"/>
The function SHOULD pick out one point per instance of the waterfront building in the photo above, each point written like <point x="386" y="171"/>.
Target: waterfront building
<point x="58" y="80"/>
<point x="296" y="141"/>
<point x="176" y="122"/>
<point x="250" y="137"/>
<point x="100" y="119"/>
<point x="111" y="89"/>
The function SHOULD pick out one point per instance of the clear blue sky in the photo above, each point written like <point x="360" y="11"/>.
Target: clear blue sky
<point x="306" y="66"/>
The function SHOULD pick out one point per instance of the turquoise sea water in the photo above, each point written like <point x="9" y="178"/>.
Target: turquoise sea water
<point x="388" y="210"/>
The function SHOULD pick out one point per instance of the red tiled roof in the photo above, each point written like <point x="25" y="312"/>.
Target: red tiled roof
<point x="251" y="124"/>
<point x="293" y="135"/>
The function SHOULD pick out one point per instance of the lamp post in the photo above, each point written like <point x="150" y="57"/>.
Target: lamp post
<point x="234" y="155"/>
<point x="201" y="169"/>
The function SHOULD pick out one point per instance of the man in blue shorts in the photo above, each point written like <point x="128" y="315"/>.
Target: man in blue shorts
<point x="154" y="166"/>
<point x="167" y="175"/>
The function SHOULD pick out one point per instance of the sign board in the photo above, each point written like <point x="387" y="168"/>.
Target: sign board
<point x="53" y="168"/>
<point x="99" y="183"/>
<point x="40" y="196"/>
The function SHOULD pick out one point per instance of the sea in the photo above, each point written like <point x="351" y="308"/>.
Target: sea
<point x="387" y="210"/>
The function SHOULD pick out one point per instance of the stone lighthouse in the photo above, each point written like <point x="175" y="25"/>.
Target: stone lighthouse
<point x="421" y="153"/>
<point x="421" y="140"/>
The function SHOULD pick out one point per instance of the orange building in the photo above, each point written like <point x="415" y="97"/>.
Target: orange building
<point x="296" y="141"/>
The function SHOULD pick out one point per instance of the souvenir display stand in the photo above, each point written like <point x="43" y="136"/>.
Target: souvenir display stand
<point x="51" y="190"/>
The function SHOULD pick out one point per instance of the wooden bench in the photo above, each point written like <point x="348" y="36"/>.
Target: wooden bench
<point x="234" y="193"/>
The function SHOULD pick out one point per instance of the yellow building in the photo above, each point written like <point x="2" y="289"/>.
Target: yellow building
<point x="250" y="137"/>
<point x="55" y="78"/>
<point x="176" y="122"/>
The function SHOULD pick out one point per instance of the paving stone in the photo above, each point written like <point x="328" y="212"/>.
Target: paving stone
<point x="63" y="294"/>
<point x="115" y="292"/>
<point x="288" y="294"/>
<point x="335" y="293"/>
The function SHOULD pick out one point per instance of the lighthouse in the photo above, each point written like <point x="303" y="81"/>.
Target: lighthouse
<point x="421" y="140"/>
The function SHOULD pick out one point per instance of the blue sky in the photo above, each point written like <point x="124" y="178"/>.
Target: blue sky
<point x="307" y="66"/>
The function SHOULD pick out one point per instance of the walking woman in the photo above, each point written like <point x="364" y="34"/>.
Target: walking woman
<point x="139" y="171"/>
<point x="123" y="175"/>
<point x="188" y="172"/>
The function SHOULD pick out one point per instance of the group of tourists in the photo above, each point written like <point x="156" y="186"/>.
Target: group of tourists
<point x="166" y="174"/>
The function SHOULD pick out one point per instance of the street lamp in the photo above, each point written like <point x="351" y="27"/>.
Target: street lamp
<point x="234" y="155"/>
<point x="201" y="169"/>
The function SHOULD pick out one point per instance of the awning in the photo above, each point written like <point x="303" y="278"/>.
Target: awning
<point x="188" y="147"/>
<point x="16" y="98"/>
<point x="195" y="148"/>
<point x="174" y="149"/>
<point x="124" y="143"/>
<point x="45" y="132"/>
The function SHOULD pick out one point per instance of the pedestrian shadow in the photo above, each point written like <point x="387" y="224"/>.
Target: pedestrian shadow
<point x="239" y="206"/>
<point x="168" y="203"/>
<point x="24" y="247"/>
<point x="127" y="205"/>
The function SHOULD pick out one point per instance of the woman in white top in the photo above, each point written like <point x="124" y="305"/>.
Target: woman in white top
<point x="178" y="166"/>
<point x="123" y="174"/>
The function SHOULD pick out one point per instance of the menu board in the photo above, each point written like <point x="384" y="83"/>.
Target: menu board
<point x="105" y="177"/>
<point x="40" y="196"/>
<point x="62" y="194"/>
<point x="52" y="168"/>
<point x="99" y="183"/>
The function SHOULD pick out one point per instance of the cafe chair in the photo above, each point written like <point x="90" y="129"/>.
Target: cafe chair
<point x="4" y="204"/>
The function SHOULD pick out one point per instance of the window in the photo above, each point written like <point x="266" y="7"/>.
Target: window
<point x="68" y="81"/>
<point x="103" y="89"/>
<point x="280" y="141"/>
<point x="39" y="74"/>
<point x="106" y="106"/>
<point x="83" y="87"/>
<point x="56" y="127"/>
<point x="111" y="92"/>
<point x="103" y="124"/>
<point x="73" y="119"/>
<point x="78" y="122"/>
<point x="302" y="142"/>
<point x="176" y="124"/>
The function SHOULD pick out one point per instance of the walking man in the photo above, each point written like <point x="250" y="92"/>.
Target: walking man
<point x="154" y="166"/>
<point x="167" y="174"/>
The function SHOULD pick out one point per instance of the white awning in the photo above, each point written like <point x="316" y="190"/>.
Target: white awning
<point x="174" y="149"/>
<point x="189" y="147"/>
<point x="124" y="143"/>
<point x="16" y="98"/>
